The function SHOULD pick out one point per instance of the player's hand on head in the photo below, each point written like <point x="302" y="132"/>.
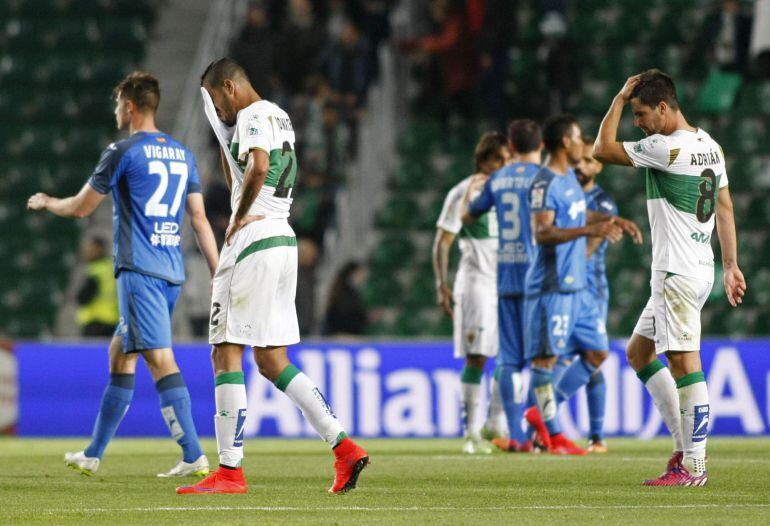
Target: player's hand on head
<point x="628" y="87"/>
<point x="38" y="201"/>
<point x="445" y="300"/>
<point x="735" y="286"/>
<point x="630" y="228"/>
<point x="238" y="224"/>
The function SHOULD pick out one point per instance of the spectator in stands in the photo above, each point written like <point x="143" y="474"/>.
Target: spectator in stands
<point x="496" y="40"/>
<point x="97" y="298"/>
<point x="313" y="213"/>
<point x="343" y="62"/>
<point x="307" y="259"/>
<point x="302" y="40"/>
<point x="255" y="48"/>
<point x="346" y="313"/>
<point x="726" y="35"/>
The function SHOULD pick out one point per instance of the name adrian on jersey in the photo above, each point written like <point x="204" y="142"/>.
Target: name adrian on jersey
<point x="705" y="159"/>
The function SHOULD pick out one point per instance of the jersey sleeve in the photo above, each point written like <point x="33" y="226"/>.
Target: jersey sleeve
<point x="256" y="132"/>
<point x="483" y="202"/>
<point x="106" y="173"/>
<point x="193" y="180"/>
<point x="541" y="195"/>
<point x="606" y="204"/>
<point x="650" y="152"/>
<point x="723" y="179"/>
<point x="450" y="219"/>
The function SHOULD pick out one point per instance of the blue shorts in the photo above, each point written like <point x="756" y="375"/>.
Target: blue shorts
<point x="560" y="323"/>
<point x="145" y="304"/>
<point x="510" y="320"/>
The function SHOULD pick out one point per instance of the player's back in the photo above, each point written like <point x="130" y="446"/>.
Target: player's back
<point x="265" y="126"/>
<point x="598" y="200"/>
<point x="685" y="171"/>
<point x="510" y="188"/>
<point x="562" y="267"/>
<point x="150" y="175"/>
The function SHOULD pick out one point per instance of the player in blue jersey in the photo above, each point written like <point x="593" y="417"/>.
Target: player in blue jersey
<point x="153" y="180"/>
<point x="597" y="200"/>
<point x="507" y="190"/>
<point x="559" y="311"/>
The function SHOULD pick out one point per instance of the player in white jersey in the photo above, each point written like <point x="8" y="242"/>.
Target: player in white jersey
<point x="686" y="191"/>
<point x="472" y="303"/>
<point x="255" y="284"/>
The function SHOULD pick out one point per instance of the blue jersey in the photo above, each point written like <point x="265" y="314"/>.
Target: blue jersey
<point x="562" y="267"/>
<point x="599" y="201"/>
<point x="150" y="175"/>
<point x="507" y="190"/>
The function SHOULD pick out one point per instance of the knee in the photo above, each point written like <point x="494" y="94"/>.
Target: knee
<point x="476" y="360"/>
<point x="545" y="362"/>
<point x="596" y="358"/>
<point x="267" y="366"/>
<point x="160" y="362"/>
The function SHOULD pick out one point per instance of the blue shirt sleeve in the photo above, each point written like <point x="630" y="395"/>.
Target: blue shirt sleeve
<point x="193" y="180"/>
<point x="606" y="205"/>
<point x="484" y="202"/>
<point x="541" y="195"/>
<point x="106" y="173"/>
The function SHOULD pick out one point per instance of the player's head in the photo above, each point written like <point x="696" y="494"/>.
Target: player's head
<point x="491" y="152"/>
<point x="588" y="167"/>
<point x="226" y="80"/>
<point x="561" y="133"/>
<point x="525" y="136"/>
<point x="654" y="101"/>
<point x="138" y="93"/>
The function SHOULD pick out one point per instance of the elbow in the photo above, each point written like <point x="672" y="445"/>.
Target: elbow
<point x="81" y="214"/>
<point x="598" y="152"/>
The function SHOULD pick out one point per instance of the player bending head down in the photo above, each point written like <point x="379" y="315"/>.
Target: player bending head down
<point x="229" y="87"/>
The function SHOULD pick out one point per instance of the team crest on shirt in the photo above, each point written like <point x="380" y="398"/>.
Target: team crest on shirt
<point x="538" y="195"/>
<point x="255" y="127"/>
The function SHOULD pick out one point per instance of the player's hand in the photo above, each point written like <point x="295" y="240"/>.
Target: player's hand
<point x="607" y="230"/>
<point x="628" y="88"/>
<point x="735" y="285"/>
<point x="630" y="228"/>
<point x="38" y="201"/>
<point x="236" y="225"/>
<point x="445" y="300"/>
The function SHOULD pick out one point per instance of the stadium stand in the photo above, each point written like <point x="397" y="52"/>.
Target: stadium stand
<point x="58" y="62"/>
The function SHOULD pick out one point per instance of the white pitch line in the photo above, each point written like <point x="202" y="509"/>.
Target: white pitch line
<point x="405" y="508"/>
<point x="537" y="457"/>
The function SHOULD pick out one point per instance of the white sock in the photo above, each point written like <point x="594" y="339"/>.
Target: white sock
<point x="694" y="404"/>
<point x="230" y="396"/>
<point x="495" y="412"/>
<point x="662" y="388"/>
<point x="312" y="403"/>
<point x="469" y="398"/>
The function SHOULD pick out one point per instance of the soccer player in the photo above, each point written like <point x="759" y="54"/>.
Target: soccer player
<point x="472" y="304"/>
<point x="153" y="180"/>
<point x="507" y="190"/>
<point x="687" y="190"/>
<point x="255" y="283"/>
<point x="559" y="310"/>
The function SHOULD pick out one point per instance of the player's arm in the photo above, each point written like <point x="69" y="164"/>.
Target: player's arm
<point x="607" y="149"/>
<point x="78" y="206"/>
<point x="226" y="168"/>
<point x="472" y="210"/>
<point x="547" y="233"/>
<point x="441" y="247"/>
<point x="254" y="176"/>
<point x="735" y="283"/>
<point x="628" y="226"/>
<point x="204" y="235"/>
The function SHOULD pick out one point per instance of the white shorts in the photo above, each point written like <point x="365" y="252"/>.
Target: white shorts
<point x="475" y="321"/>
<point x="671" y="317"/>
<point x="252" y="302"/>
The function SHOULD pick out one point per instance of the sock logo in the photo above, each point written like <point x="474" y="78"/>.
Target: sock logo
<point x="171" y="422"/>
<point x="238" y="440"/>
<point x="700" y="423"/>
<point x="320" y="397"/>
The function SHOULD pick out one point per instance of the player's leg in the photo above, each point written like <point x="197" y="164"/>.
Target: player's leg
<point x="115" y="401"/>
<point x="494" y="424"/>
<point x="351" y="459"/>
<point x="596" y="394"/>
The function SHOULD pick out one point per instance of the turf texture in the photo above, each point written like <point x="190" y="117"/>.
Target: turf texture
<point x="409" y="482"/>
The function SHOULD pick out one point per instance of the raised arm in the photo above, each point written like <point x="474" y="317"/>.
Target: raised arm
<point x="607" y="149"/>
<point x="735" y="283"/>
<point x="204" y="236"/>
<point x="78" y="206"/>
<point x="441" y="246"/>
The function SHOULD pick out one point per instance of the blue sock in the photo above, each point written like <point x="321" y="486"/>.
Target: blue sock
<point x="559" y="368"/>
<point x="115" y="402"/>
<point x="542" y="384"/>
<point x="177" y="412"/>
<point x="574" y="377"/>
<point x="511" y="405"/>
<point x="596" y="391"/>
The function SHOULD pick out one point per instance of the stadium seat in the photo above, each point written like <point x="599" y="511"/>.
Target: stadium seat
<point x="718" y="93"/>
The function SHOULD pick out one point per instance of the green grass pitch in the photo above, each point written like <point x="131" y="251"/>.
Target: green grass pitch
<point x="408" y="482"/>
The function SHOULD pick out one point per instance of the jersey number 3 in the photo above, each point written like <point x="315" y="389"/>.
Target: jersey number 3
<point x="154" y="206"/>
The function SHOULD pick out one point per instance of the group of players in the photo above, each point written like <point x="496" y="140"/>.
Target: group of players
<point x="531" y="287"/>
<point x="153" y="180"/>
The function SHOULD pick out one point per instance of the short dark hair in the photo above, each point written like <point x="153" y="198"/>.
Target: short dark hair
<point x="141" y="88"/>
<point x="655" y="87"/>
<point x="220" y="70"/>
<point x="488" y="146"/>
<point x="555" y="128"/>
<point x="525" y="135"/>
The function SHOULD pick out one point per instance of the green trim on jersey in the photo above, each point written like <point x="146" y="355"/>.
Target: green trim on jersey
<point x="234" y="153"/>
<point x="480" y="228"/>
<point x="264" y="244"/>
<point x="681" y="191"/>
<point x="282" y="160"/>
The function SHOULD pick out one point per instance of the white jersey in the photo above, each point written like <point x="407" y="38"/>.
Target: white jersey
<point x="265" y="126"/>
<point x="685" y="171"/>
<point x="478" y="241"/>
